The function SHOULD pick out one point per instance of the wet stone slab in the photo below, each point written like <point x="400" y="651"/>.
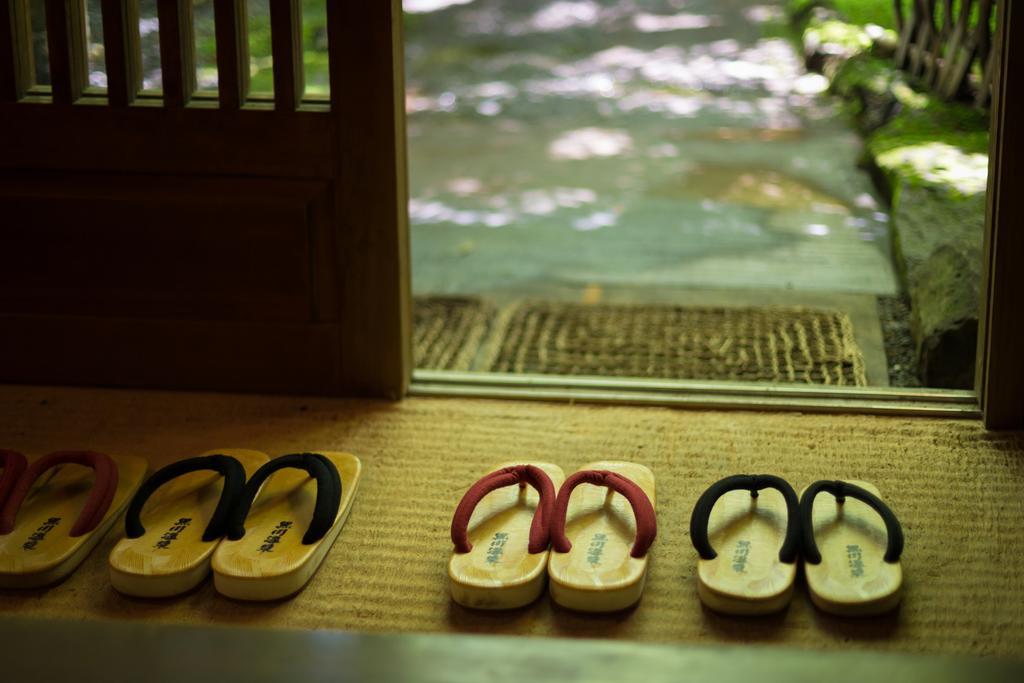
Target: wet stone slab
<point x="670" y="142"/>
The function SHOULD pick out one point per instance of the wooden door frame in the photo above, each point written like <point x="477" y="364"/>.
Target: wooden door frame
<point x="999" y="380"/>
<point x="371" y="243"/>
<point x="374" y="254"/>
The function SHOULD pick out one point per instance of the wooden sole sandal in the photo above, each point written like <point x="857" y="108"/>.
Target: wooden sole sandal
<point x="852" y="544"/>
<point x="500" y="530"/>
<point x="39" y="544"/>
<point x="600" y="537"/>
<point x="754" y="523"/>
<point x="175" y="521"/>
<point x="288" y="517"/>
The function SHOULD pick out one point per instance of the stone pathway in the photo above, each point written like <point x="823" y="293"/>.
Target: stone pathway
<point x="630" y="143"/>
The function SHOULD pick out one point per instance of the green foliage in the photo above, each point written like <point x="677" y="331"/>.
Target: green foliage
<point x="314" y="38"/>
<point x="850" y="37"/>
<point x="928" y="142"/>
<point x="861" y="12"/>
<point x="934" y="143"/>
<point x="865" y="72"/>
<point x="883" y="12"/>
<point x="797" y="7"/>
<point x="922" y="117"/>
<point x="955" y="124"/>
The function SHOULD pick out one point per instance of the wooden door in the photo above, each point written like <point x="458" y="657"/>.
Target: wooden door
<point x="205" y="243"/>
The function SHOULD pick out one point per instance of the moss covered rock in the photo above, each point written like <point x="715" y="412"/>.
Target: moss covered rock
<point x="867" y="84"/>
<point x="938" y="242"/>
<point x="834" y="36"/>
<point x="933" y="158"/>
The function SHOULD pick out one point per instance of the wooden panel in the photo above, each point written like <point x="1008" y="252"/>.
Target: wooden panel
<point x="121" y="50"/>
<point x="65" y="36"/>
<point x="16" y="70"/>
<point x="286" y="46"/>
<point x="367" y="97"/>
<point x="219" y="223"/>
<point x="1001" y="363"/>
<point x="158" y="247"/>
<point x="177" y="51"/>
<point x="326" y="277"/>
<point x="232" y="52"/>
<point x="159" y="140"/>
<point x="169" y="353"/>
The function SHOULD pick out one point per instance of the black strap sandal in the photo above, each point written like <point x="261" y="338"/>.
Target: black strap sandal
<point x="186" y="507"/>
<point x="328" y="494"/>
<point x="264" y="556"/>
<point x="851" y="547"/>
<point x="234" y="483"/>
<point x="759" y="535"/>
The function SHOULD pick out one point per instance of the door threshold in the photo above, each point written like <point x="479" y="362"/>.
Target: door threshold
<point x="698" y="394"/>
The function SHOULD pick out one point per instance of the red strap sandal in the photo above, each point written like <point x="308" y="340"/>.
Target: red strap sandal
<point x="500" y="531"/>
<point x="38" y="543"/>
<point x="601" y="535"/>
<point x="96" y="505"/>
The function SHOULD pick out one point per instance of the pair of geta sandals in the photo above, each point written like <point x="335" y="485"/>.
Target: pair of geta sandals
<point x="751" y="530"/>
<point x="262" y="526"/>
<point x="512" y="533"/>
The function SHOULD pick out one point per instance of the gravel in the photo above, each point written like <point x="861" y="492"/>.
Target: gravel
<point x="894" y="313"/>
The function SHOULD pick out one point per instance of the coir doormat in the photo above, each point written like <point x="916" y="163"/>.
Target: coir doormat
<point x="448" y="331"/>
<point x="794" y="345"/>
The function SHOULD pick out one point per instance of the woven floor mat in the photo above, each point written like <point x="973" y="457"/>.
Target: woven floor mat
<point x="448" y="331"/>
<point x="956" y="489"/>
<point x="794" y="345"/>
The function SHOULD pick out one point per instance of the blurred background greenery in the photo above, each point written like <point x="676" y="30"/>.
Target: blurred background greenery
<point x="883" y="12"/>
<point x="314" y="45"/>
<point x="314" y="38"/>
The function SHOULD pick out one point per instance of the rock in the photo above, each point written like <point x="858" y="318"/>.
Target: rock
<point x="885" y="41"/>
<point x="938" y="247"/>
<point x="869" y="82"/>
<point x="829" y="42"/>
<point x="748" y="185"/>
<point x="930" y="157"/>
